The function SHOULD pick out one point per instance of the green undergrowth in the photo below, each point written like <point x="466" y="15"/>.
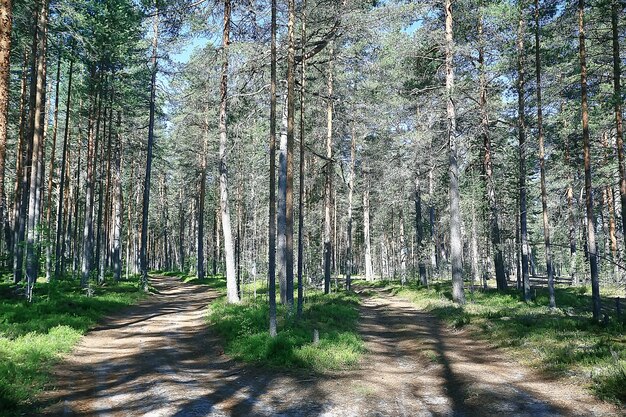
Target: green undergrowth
<point x="34" y="335"/>
<point x="244" y="328"/>
<point x="560" y="342"/>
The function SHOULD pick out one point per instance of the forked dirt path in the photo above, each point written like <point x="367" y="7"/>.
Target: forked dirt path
<point x="160" y="359"/>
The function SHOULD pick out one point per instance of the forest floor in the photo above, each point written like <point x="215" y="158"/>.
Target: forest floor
<point x="161" y="359"/>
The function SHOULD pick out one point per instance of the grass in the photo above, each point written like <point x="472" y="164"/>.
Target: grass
<point x="244" y="329"/>
<point x="561" y="342"/>
<point x="34" y="335"/>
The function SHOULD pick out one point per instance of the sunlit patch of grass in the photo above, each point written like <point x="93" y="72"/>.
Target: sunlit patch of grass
<point x="244" y="328"/>
<point x="564" y="341"/>
<point x="33" y="335"/>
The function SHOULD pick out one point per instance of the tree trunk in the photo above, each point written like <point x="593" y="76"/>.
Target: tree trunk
<point x="200" y="272"/>
<point x="51" y="172"/>
<point x="92" y="145"/>
<point x="328" y="250"/>
<point x="521" y="131"/>
<point x="59" y="242"/>
<point x="6" y="21"/>
<point x="350" y="197"/>
<point x="38" y="120"/>
<point x="231" y="278"/>
<point x="456" y="244"/>
<point x="117" y="198"/>
<point x="291" y="82"/>
<point x="369" y="273"/>
<point x="591" y="232"/>
<point x="143" y="255"/>
<point x="542" y="163"/>
<point x="271" y="238"/>
<point x="21" y="180"/>
<point x="419" y="233"/>
<point x="301" y="189"/>
<point x="282" y="206"/>
<point x="494" y="226"/>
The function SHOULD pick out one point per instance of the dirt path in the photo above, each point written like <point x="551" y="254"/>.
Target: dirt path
<point x="159" y="359"/>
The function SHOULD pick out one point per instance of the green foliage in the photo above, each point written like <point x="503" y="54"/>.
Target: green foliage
<point x="244" y="328"/>
<point x="33" y="335"/>
<point x="565" y="341"/>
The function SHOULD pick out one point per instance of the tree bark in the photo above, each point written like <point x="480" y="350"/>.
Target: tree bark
<point x="369" y="273"/>
<point x="38" y="120"/>
<point x="419" y="233"/>
<point x="351" y="182"/>
<point x="494" y="226"/>
<point x="291" y="82"/>
<point x="271" y="238"/>
<point x="591" y="232"/>
<point x="143" y="255"/>
<point x="118" y="204"/>
<point x="456" y="244"/>
<point x="542" y="162"/>
<point x="58" y="245"/>
<point x="329" y="176"/>
<point x="521" y="132"/>
<point x="231" y="278"/>
<point x="51" y="172"/>
<point x="301" y="189"/>
<point x="6" y="21"/>
<point x="21" y="182"/>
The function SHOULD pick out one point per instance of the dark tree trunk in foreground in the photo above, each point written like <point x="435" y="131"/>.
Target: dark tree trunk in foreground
<point x="456" y="244"/>
<point x="591" y="232"/>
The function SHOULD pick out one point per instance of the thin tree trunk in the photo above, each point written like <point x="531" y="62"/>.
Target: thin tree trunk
<point x="369" y="273"/>
<point x="591" y="232"/>
<point x="143" y="255"/>
<point x="59" y="226"/>
<point x="92" y="132"/>
<point x="282" y="206"/>
<point x="291" y="82"/>
<point x="271" y="238"/>
<point x="494" y="227"/>
<point x="231" y="279"/>
<point x="351" y="182"/>
<point x="20" y="181"/>
<point x="542" y="162"/>
<point x="521" y="127"/>
<point x="51" y="172"/>
<point x="203" y="179"/>
<point x="117" y="220"/>
<point x="456" y="244"/>
<point x="329" y="176"/>
<point x="301" y="189"/>
<point x="6" y="21"/>
<point x="419" y="233"/>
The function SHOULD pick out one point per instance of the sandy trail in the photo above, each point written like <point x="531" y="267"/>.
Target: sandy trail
<point x="160" y="359"/>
